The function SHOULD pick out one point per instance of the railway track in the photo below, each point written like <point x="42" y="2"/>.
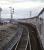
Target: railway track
<point x="14" y="40"/>
<point x="29" y="40"/>
<point x="25" y="39"/>
<point x="23" y="43"/>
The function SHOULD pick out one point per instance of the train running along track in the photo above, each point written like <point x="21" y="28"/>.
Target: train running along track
<point x="23" y="43"/>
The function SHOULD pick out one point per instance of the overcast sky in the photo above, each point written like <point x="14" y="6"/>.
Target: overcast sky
<point x="21" y="3"/>
<point x="22" y="7"/>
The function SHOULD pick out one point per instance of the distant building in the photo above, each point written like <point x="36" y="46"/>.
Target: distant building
<point x="4" y="21"/>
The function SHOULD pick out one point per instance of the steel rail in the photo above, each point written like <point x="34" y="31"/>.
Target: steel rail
<point x="25" y="34"/>
<point x="14" y="40"/>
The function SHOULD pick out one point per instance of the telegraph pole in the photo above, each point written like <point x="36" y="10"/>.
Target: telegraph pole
<point x="0" y="13"/>
<point x="11" y="12"/>
<point x="30" y="13"/>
